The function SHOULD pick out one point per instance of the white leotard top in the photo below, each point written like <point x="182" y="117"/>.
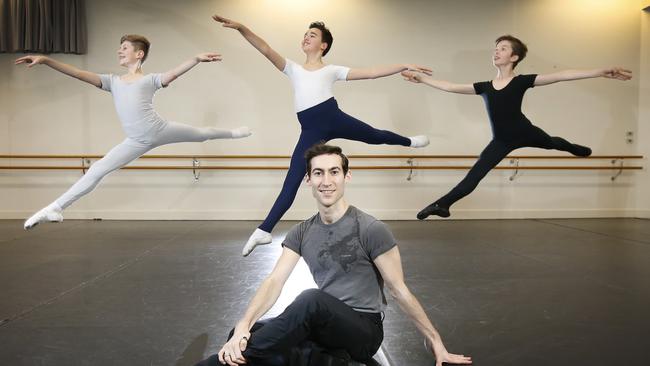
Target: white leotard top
<point x="313" y="87"/>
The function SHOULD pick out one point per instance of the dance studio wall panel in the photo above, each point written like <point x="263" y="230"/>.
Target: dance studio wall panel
<point x="643" y="178"/>
<point x="43" y="112"/>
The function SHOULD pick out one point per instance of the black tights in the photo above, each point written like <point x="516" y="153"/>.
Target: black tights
<point x="496" y="150"/>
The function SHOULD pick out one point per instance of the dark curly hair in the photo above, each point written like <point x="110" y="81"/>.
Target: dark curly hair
<point x="326" y="35"/>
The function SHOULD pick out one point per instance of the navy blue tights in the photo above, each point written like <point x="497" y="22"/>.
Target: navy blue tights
<point x="321" y="123"/>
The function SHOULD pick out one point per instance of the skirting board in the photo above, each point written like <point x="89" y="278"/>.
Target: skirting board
<point x="403" y="214"/>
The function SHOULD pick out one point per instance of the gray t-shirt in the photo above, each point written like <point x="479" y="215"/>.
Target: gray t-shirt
<point x="134" y="103"/>
<point x="340" y="256"/>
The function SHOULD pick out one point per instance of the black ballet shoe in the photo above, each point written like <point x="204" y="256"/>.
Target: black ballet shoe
<point x="580" y="150"/>
<point x="433" y="209"/>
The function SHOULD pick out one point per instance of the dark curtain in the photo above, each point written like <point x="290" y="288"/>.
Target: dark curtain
<point x="43" y="26"/>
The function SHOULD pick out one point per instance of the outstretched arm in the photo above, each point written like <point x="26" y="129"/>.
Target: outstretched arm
<point x="267" y="294"/>
<point x="390" y="267"/>
<point x="387" y="70"/>
<point x="438" y="84"/>
<point x="618" y="73"/>
<point x="179" y="70"/>
<point x="83" y="75"/>
<point x="276" y="59"/>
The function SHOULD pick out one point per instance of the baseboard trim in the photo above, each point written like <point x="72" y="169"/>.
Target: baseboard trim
<point x="383" y="214"/>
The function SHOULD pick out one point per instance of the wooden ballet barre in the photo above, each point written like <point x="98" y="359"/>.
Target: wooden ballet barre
<point x="617" y="163"/>
<point x="550" y="157"/>
<point x="362" y="156"/>
<point x="361" y="167"/>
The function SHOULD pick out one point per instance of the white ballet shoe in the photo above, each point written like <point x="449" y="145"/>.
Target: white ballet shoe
<point x="241" y="132"/>
<point x="419" y="141"/>
<point x="259" y="237"/>
<point x="51" y="213"/>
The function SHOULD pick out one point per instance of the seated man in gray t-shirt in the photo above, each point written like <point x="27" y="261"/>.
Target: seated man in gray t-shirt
<point x="351" y="255"/>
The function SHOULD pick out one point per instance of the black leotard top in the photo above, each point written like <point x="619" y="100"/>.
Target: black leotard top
<point x="504" y="106"/>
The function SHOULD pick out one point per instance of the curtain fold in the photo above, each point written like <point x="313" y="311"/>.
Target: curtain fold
<point x="43" y="26"/>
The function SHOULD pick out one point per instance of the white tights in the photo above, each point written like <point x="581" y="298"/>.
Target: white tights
<point x="130" y="149"/>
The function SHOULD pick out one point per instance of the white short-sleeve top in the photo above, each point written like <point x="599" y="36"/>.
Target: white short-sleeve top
<point x="313" y="87"/>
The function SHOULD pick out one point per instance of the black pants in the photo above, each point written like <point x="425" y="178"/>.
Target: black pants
<point x="313" y="317"/>
<point x="496" y="151"/>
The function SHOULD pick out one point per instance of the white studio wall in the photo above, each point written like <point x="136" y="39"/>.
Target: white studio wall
<point x="643" y="178"/>
<point x="44" y="112"/>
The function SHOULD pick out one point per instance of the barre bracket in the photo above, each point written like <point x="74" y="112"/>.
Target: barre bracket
<point x="619" y="171"/>
<point x="196" y="164"/>
<point x="85" y="164"/>
<point x="411" y="164"/>
<point x="515" y="164"/>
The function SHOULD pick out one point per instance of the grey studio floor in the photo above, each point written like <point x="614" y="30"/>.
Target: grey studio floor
<point x="507" y="292"/>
